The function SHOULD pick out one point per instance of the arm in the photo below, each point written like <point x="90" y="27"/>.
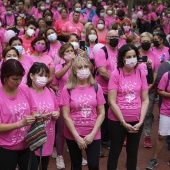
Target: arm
<point x="64" y="34"/>
<point x="101" y="114"/>
<point x="154" y="76"/>
<point x="103" y="72"/>
<point x="51" y="76"/>
<point x="16" y="125"/>
<point x="69" y="123"/>
<point x="144" y="108"/>
<point x="163" y="93"/>
<point x="63" y="71"/>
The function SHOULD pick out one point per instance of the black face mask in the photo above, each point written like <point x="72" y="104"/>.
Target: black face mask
<point x="49" y="23"/>
<point x="156" y="43"/>
<point x="113" y="42"/>
<point x="146" y="46"/>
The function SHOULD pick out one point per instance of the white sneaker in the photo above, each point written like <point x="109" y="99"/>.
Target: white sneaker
<point x="60" y="162"/>
<point x="54" y="154"/>
<point x="84" y="162"/>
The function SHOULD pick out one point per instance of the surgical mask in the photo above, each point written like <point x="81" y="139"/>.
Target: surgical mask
<point x="19" y="48"/>
<point x="89" y="6"/>
<point x="14" y="58"/>
<point x="78" y="9"/>
<point x="9" y="12"/>
<point x="52" y="37"/>
<point x="59" y="8"/>
<point x="41" y="81"/>
<point x="136" y="45"/>
<point x="0" y="24"/>
<point x="156" y="43"/>
<point x="100" y="26"/>
<point x="83" y="74"/>
<point x="49" y="23"/>
<point x="126" y="28"/>
<point x="47" y="1"/>
<point x="42" y="8"/>
<point x="102" y="14"/>
<point x="109" y="12"/>
<point x="113" y="42"/>
<point x="30" y="32"/>
<point x="69" y="57"/>
<point x="131" y="62"/>
<point x="168" y="15"/>
<point x="75" y="45"/>
<point x="92" y="37"/>
<point x="146" y="46"/>
<point x="39" y="47"/>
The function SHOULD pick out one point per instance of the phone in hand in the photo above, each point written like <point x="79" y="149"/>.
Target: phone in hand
<point x="143" y="59"/>
<point x="82" y="45"/>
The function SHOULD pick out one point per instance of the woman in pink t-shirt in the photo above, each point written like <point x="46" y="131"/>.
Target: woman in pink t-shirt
<point x="17" y="113"/>
<point x="101" y="31"/>
<point x="128" y="98"/>
<point x="82" y="104"/>
<point x="39" y="46"/>
<point x="46" y="102"/>
<point x="51" y="35"/>
<point x="110" y="15"/>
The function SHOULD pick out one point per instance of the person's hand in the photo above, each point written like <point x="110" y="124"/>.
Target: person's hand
<point x="149" y="63"/>
<point x="81" y="52"/>
<point x="29" y="120"/>
<point x="129" y="127"/>
<point x="137" y="126"/>
<point x="55" y="114"/>
<point x="47" y="116"/>
<point x="81" y="143"/>
<point x="123" y="36"/>
<point x="89" y="138"/>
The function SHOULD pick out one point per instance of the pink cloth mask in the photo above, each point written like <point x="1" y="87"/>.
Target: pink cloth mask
<point x="69" y="57"/>
<point x="83" y="74"/>
<point x="131" y="62"/>
<point x="39" y="47"/>
<point x="126" y="28"/>
<point x="41" y="81"/>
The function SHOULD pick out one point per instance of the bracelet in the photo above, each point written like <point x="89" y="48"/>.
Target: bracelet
<point x="18" y="124"/>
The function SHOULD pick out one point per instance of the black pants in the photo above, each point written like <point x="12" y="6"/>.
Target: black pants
<point x="44" y="162"/>
<point x="117" y="135"/>
<point x="104" y="126"/>
<point x="92" y="152"/>
<point x="10" y="158"/>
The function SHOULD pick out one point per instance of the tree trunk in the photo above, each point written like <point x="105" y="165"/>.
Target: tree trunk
<point x="130" y="6"/>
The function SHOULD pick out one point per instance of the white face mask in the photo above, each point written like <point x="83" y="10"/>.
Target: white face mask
<point x="19" y="48"/>
<point x="89" y="6"/>
<point x="131" y="62"/>
<point x="30" y="32"/>
<point x="83" y="74"/>
<point x="69" y="57"/>
<point x="41" y="81"/>
<point x="102" y="14"/>
<point x="100" y="26"/>
<point x="78" y="9"/>
<point x="126" y="28"/>
<point x="92" y="37"/>
<point x="52" y="37"/>
<point x="14" y="58"/>
<point x="42" y="8"/>
<point x="109" y="12"/>
<point x="75" y="45"/>
<point x="0" y="24"/>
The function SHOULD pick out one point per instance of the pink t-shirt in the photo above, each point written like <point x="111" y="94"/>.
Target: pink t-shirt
<point x="153" y="16"/>
<point x="27" y="49"/>
<point x="146" y="17"/>
<point x="2" y="31"/>
<point x="150" y="6"/>
<point x="160" y="8"/>
<point x="53" y="52"/>
<point x="27" y="62"/>
<point x="110" y="19"/>
<point x="122" y="41"/>
<point x="59" y="25"/>
<point x="110" y="64"/>
<point x="33" y="10"/>
<point x="10" y="20"/>
<point x="46" y="102"/>
<point x="165" y="106"/>
<point x="46" y="59"/>
<point x="14" y="109"/>
<point x="37" y="15"/>
<point x="83" y="102"/>
<point x="102" y="36"/>
<point x="96" y="19"/>
<point x="159" y="53"/>
<point x="83" y="17"/>
<point x="129" y="88"/>
<point x="70" y="27"/>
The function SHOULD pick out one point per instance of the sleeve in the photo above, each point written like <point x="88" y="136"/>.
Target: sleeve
<point x="163" y="82"/>
<point x="144" y="81"/>
<point x="65" y="97"/>
<point x="100" y="59"/>
<point x="100" y="96"/>
<point x="114" y="81"/>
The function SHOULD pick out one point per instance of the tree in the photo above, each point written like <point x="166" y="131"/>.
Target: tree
<point x="130" y="6"/>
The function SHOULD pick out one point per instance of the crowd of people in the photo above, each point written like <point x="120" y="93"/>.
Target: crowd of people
<point x="91" y="73"/>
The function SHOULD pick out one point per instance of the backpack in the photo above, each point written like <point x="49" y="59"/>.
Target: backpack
<point x="95" y="88"/>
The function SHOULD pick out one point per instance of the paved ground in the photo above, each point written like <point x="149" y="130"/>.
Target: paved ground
<point x="143" y="156"/>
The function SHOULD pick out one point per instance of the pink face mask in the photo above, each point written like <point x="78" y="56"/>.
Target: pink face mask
<point x="168" y="15"/>
<point x="39" y="47"/>
<point x="126" y="28"/>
